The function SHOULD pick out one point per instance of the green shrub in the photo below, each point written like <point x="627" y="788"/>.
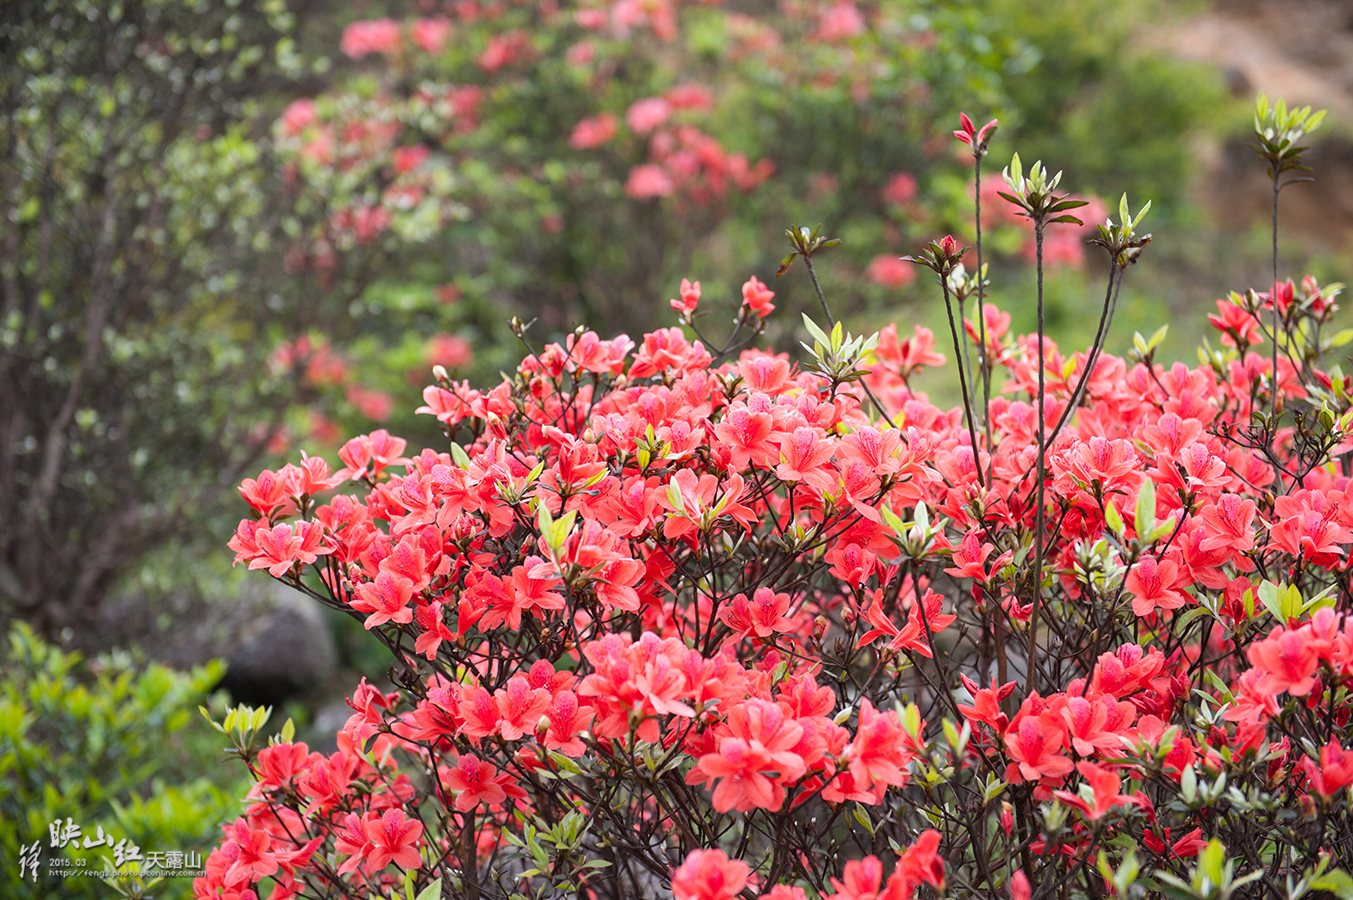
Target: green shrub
<point x="109" y="743"/>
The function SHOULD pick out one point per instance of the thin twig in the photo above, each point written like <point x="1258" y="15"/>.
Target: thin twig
<point x="963" y="385"/>
<point x="981" y="297"/>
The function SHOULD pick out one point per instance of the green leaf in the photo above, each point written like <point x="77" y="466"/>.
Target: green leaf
<point x="259" y="718"/>
<point x="431" y="892"/>
<point x="892" y="519"/>
<point x="1269" y="595"/>
<point x="1192" y="615"/>
<point x="862" y="816"/>
<point x="1291" y="603"/>
<point x="1188" y="784"/>
<point x="1218" y="684"/>
<point x="1336" y="882"/>
<point x="818" y="334"/>
<point x="1211" y="859"/>
<point x="1113" y="519"/>
<point x="1146" y="508"/>
<point x="206" y="715"/>
<point x="1141" y="215"/>
<point x="911" y="720"/>
<point x="921" y="514"/>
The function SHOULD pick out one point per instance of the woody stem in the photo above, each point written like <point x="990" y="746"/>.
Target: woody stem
<point x="981" y="297"/>
<point x="1273" y="298"/>
<point x="963" y="381"/>
<point x="1032" y="679"/>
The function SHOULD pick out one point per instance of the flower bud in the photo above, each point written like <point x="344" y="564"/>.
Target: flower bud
<point x="497" y="430"/>
<point x="1007" y="817"/>
<point x="439" y="373"/>
<point x="529" y="759"/>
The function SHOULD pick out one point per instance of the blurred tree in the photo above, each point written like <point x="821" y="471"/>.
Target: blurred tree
<point x="136" y="279"/>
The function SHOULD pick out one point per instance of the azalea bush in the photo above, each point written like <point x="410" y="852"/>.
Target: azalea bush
<point x="694" y="616"/>
<point x="559" y="159"/>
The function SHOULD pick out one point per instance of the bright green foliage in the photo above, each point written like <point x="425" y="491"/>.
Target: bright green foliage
<point x="111" y="744"/>
<point x="1279" y="130"/>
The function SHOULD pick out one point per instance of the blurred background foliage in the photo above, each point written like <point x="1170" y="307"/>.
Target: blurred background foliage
<point x="112" y="744"/>
<point x="235" y="229"/>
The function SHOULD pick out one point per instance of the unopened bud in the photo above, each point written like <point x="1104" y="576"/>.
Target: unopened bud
<point x="1007" y="817"/>
<point x="542" y="728"/>
<point x="496" y="427"/>
<point x="820" y="626"/>
<point x="439" y="373"/>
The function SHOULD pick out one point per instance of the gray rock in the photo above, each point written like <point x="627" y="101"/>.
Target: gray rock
<point x="284" y="651"/>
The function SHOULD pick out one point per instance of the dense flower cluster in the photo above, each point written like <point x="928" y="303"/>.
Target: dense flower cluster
<point x="642" y="563"/>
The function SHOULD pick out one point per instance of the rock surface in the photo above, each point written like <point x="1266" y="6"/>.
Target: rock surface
<point x="286" y="652"/>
